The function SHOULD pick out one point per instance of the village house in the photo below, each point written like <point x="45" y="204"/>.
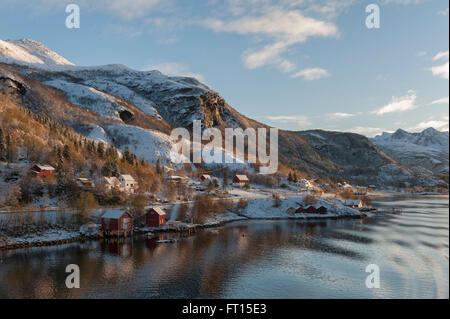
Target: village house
<point x="127" y="184"/>
<point x="111" y="183"/>
<point x="240" y="181"/>
<point x="43" y="171"/>
<point x="85" y="182"/>
<point x="155" y="217"/>
<point x="117" y="223"/>
<point x="322" y="210"/>
<point x="311" y="210"/>
<point x="354" y="203"/>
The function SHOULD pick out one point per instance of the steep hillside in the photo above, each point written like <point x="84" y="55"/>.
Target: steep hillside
<point x="137" y="109"/>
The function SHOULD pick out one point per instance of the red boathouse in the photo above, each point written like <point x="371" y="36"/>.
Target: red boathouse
<point x="155" y="217"/>
<point x="117" y="223"/>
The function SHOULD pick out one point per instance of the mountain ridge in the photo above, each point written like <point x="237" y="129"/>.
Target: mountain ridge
<point x="150" y="103"/>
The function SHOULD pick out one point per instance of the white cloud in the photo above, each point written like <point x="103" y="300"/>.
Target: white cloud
<point x="339" y="115"/>
<point x="442" y="69"/>
<point x="399" y="104"/>
<point x="443" y="100"/>
<point x="312" y="74"/>
<point x="441" y="55"/>
<point x="297" y="119"/>
<point x="440" y="124"/>
<point x="281" y="26"/>
<point x="443" y="12"/>
<point x="174" y="69"/>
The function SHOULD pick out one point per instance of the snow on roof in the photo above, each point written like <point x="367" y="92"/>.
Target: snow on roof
<point x="111" y="180"/>
<point x="158" y="210"/>
<point x="113" y="214"/>
<point x="206" y="176"/>
<point x="242" y="177"/>
<point x="127" y="178"/>
<point x="45" y="167"/>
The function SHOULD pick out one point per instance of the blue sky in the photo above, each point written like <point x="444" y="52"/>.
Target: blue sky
<point x="293" y="64"/>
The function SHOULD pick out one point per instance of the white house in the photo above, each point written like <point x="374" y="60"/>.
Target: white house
<point x="127" y="183"/>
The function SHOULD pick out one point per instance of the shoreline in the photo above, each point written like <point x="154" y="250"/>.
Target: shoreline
<point x="78" y="237"/>
<point x="258" y="209"/>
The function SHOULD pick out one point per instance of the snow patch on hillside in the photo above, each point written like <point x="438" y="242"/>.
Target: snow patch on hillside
<point x="32" y="53"/>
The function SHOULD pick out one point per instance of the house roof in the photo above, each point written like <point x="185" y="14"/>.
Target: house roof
<point x="206" y="176"/>
<point x="127" y="178"/>
<point x="242" y="177"/>
<point x="45" y="167"/>
<point x="158" y="210"/>
<point x="114" y="214"/>
<point x="111" y="180"/>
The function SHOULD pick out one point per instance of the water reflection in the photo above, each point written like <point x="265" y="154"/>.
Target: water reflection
<point x="267" y="259"/>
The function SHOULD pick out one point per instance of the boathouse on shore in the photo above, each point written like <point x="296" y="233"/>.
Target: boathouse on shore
<point x="117" y="223"/>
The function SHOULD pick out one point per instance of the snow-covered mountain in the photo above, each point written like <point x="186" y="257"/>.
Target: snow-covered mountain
<point x="138" y="109"/>
<point x="32" y="53"/>
<point x="427" y="150"/>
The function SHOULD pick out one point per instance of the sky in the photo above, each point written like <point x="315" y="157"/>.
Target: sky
<point x="292" y="64"/>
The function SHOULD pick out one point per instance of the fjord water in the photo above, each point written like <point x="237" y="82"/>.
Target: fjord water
<point x="254" y="259"/>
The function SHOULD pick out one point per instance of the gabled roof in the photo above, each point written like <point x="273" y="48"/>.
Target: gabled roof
<point x="242" y="177"/>
<point x="128" y="178"/>
<point x="158" y="210"/>
<point x="114" y="214"/>
<point x="45" y="167"/>
<point x="111" y="180"/>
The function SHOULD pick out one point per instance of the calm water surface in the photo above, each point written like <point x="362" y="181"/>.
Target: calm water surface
<point x="253" y="259"/>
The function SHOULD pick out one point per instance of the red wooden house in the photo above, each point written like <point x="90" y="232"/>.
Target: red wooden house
<point x="240" y="181"/>
<point x="300" y="210"/>
<point x="117" y="223"/>
<point x="322" y="210"/>
<point x="155" y="217"/>
<point x="204" y="177"/>
<point x="311" y="210"/>
<point x="43" y="171"/>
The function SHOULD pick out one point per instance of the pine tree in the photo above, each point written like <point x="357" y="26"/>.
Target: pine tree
<point x="158" y="167"/>
<point x="290" y="177"/>
<point x="100" y="150"/>
<point x="128" y="156"/>
<point x="226" y="176"/>
<point x="67" y="154"/>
